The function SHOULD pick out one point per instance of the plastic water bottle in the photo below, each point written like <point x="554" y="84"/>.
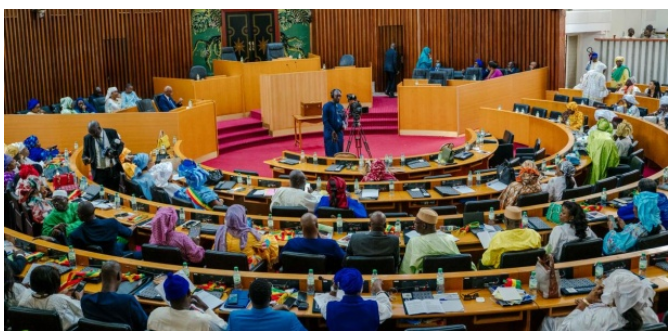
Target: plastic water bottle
<point x="439" y="281"/>
<point x="374" y="276"/>
<point x="533" y="284"/>
<point x="491" y="216"/>
<point x="315" y="158"/>
<point x="361" y="161"/>
<point x="174" y="140"/>
<point x="117" y="201"/>
<point x="391" y="188"/>
<point x="536" y="114"/>
<point x="311" y="283"/>
<point x="416" y="82"/>
<point x="249" y="180"/>
<point x="470" y="178"/>
<point x="76" y="146"/>
<point x="643" y="264"/>
<point x="599" y="271"/>
<point x="239" y="179"/>
<point x="66" y="156"/>
<point x="478" y="178"/>
<point x="525" y="220"/>
<point x="190" y="105"/>
<point x="397" y="226"/>
<point x="181" y="215"/>
<point x="303" y="157"/>
<point x="356" y="185"/>
<point x="498" y="107"/>
<point x="198" y="77"/>
<point x="83" y="184"/>
<point x="339" y="224"/>
<point x="134" y="204"/>
<point x="603" y="197"/>
<point x="318" y="184"/>
<point x="185" y="269"/>
<point x="403" y="159"/>
<point x="237" y="284"/>
<point x="72" y="258"/>
<point x="102" y="192"/>
<point x="270" y="221"/>
<point x="324" y="66"/>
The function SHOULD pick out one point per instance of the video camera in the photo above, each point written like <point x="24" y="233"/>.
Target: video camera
<point x="356" y="109"/>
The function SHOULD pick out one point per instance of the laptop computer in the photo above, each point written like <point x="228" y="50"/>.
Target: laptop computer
<point x="289" y="161"/>
<point x="417" y="164"/>
<point x="369" y="194"/>
<point x="335" y="168"/>
<point x="463" y="155"/>
<point x="446" y="190"/>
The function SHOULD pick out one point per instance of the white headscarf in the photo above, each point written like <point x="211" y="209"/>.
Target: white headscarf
<point x="625" y="290"/>
<point x="663" y="100"/>
<point x="161" y="173"/>
<point x="109" y="92"/>
<point x="604" y="113"/>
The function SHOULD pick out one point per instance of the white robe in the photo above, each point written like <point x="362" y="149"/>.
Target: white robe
<point x="596" y="317"/>
<point x="168" y="319"/>
<point x="288" y="196"/>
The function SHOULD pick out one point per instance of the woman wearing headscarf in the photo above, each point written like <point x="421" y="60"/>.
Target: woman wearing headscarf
<point x="142" y="177"/>
<point x="162" y="174"/>
<point x="22" y="154"/>
<point x="378" y="173"/>
<point x="479" y="64"/>
<point x="237" y="237"/>
<point x="602" y="151"/>
<point x="630" y="87"/>
<point x="82" y="106"/>
<point x="628" y="105"/>
<point x="494" y="72"/>
<point x="338" y="198"/>
<point x="425" y="59"/>
<point x="112" y="100"/>
<point x="605" y="114"/>
<point x="648" y="213"/>
<point x="67" y="106"/>
<point x="126" y="160"/>
<point x="35" y="151"/>
<point x="573" y="116"/>
<point x="128" y="97"/>
<point x="623" y="302"/>
<point x="593" y="86"/>
<point x="623" y="139"/>
<point x="620" y="73"/>
<point x="34" y="107"/>
<point x="527" y="182"/>
<point x="200" y="195"/>
<point x="32" y="191"/>
<point x="563" y="180"/>
<point x="10" y="171"/>
<point x="164" y="234"/>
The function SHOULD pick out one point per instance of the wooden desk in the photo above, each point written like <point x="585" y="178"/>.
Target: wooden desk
<point x="224" y="91"/>
<point x="649" y="103"/>
<point x="298" y="122"/>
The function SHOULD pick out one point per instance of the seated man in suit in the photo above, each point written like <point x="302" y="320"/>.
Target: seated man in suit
<point x="514" y="239"/>
<point x="99" y="232"/>
<point x="311" y="243"/>
<point x="166" y="102"/>
<point x="375" y="242"/>
<point x="428" y="243"/>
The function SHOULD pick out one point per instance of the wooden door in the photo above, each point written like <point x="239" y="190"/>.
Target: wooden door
<point x="388" y="34"/>
<point x="249" y="33"/>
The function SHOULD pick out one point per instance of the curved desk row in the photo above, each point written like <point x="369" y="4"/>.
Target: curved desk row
<point x="481" y="315"/>
<point x="652" y="104"/>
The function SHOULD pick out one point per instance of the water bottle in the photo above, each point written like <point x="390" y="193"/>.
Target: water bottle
<point x="83" y="184"/>
<point x="478" y="178"/>
<point x="249" y="223"/>
<point x="311" y="283"/>
<point x="181" y="216"/>
<point x="72" y="258"/>
<point x="439" y="281"/>
<point x="525" y="220"/>
<point x="356" y="185"/>
<point x="536" y="114"/>
<point x="324" y="66"/>
<point x="315" y="158"/>
<point x="603" y="197"/>
<point x="403" y="159"/>
<point x="374" y="276"/>
<point x="66" y="156"/>
<point x="198" y="77"/>
<point x="102" y="192"/>
<point x="498" y="107"/>
<point x="237" y="284"/>
<point x="665" y="176"/>
<point x="185" y="269"/>
<point x="303" y="157"/>
<point x="361" y="161"/>
<point x="239" y="179"/>
<point x="134" y="204"/>
<point x="117" y="201"/>
<point x="470" y="178"/>
<point x="599" y="271"/>
<point x="318" y="184"/>
<point x="339" y="224"/>
<point x="385" y="160"/>
<point x="391" y="188"/>
<point x="249" y="180"/>
<point x="533" y="285"/>
<point x="491" y="216"/>
<point x="270" y="221"/>
<point x="76" y="146"/>
<point x="174" y="140"/>
<point x="191" y="104"/>
<point x="397" y="226"/>
<point x="643" y="263"/>
<point x="416" y="82"/>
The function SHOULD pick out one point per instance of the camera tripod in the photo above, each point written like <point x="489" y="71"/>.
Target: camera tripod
<point x="357" y="133"/>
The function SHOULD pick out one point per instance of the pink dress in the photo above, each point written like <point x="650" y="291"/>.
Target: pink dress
<point x="497" y="73"/>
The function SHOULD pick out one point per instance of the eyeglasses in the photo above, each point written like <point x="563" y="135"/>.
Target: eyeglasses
<point x="470" y="296"/>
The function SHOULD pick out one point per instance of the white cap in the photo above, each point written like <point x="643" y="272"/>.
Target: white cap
<point x="60" y="193"/>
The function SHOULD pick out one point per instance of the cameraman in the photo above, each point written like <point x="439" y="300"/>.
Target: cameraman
<point x="101" y="150"/>
<point x="333" y="118"/>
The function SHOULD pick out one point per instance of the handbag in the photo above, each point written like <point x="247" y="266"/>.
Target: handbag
<point x="547" y="277"/>
<point x="505" y="173"/>
<point x="214" y="177"/>
<point x="65" y="182"/>
<point x="553" y="213"/>
<point x="447" y="155"/>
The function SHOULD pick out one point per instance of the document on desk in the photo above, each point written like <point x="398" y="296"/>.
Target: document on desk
<point x="484" y="237"/>
<point x="450" y="302"/>
<point x="496" y="185"/>
<point x="210" y="300"/>
<point x="423" y="307"/>
<point x="463" y="189"/>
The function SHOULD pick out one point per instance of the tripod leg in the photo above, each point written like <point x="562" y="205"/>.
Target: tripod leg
<point x="366" y="143"/>
<point x="347" y="148"/>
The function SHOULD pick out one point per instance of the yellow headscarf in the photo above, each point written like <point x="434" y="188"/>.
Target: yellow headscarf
<point x="572" y="106"/>
<point x="11" y="150"/>
<point x="124" y="154"/>
<point x="624" y="129"/>
<point x="619" y="58"/>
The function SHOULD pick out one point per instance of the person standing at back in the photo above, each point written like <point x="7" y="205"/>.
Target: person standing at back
<point x="101" y="150"/>
<point x="391" y="69"/>
<point x="333" y="124"/>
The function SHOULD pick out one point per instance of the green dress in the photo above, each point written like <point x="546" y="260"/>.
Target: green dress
<point x="69" y="217"/>
<point x="603" y="154"/>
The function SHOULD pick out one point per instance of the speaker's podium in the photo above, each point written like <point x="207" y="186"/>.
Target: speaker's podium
<point x="311" y="112"/>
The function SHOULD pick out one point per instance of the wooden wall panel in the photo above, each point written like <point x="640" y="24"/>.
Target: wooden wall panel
<point x="456" y="37"/>
<point x="69" y="52"/>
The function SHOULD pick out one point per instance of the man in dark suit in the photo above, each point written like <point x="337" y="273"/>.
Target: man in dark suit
<point x="391" y="69"/>
<point x="166" y="102"/>
<point x="375" y="242"/>
<point x="101" y="150"/>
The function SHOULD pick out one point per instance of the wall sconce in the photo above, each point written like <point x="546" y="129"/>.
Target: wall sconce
<point x="39" y="13"/>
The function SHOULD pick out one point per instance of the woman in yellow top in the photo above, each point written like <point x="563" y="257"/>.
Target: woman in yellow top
<point x="237" y="237"/>
<point x="126" y="159"/>
<point x="573" y="116"/>
<point x="620" y="73"/>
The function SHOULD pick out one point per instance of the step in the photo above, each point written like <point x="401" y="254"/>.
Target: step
<point x="256" y="114"/>
<point x="238" y="144"/>
<point x="238" y="124"/>
<point x="242" y="134"/>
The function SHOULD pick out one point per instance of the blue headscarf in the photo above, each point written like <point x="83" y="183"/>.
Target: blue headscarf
<point x="140" y="160"/>
<point x="8" y="160"/>
<point x="480" y="63"/>
<point x="424" y="62"/>
<point x="349" y="280"/>
<point x="32" y="103"/>
<point x="175" y="287"/>
<point x="593" y="55"/>
<point x="31" y="142"/>
<point x="38" y="154"/>
<point x="89" y="107"/>
<point x="647" y="210"/>
<point x="193" y="174"/>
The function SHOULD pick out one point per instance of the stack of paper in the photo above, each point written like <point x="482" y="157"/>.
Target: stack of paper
<point x="463" y="189"/>
<point x="441" y="304"/>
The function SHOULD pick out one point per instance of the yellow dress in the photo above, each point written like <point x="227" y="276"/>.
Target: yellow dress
<point x="265" y="249"/>
<point x="510" y="241"/>
<point x="575" y="121"/>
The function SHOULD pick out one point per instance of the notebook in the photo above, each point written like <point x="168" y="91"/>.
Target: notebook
<point x="289" y="161"/>
<point x="440" y="304"/>
<point x="484" y="237"/>
<point x="496" y="185"/>
<point x="370" y="194"/>
<point x="335" y="168"/>
<point x="463" y="189"/>
<point x="210" y="300"/>
<point x="463" y="155"/>
<point x="446" y="190"/>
